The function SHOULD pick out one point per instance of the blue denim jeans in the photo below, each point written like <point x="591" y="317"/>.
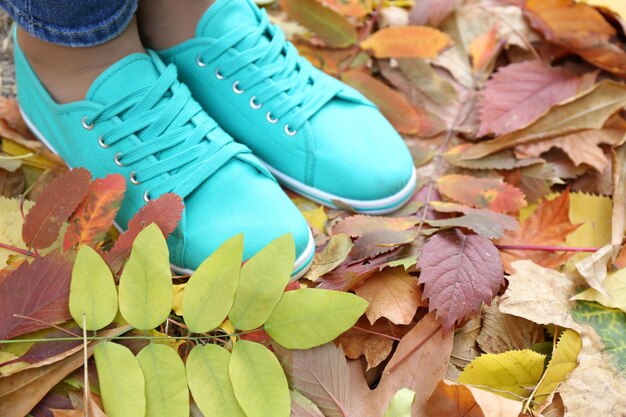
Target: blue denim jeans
<point x="72" y="22"/>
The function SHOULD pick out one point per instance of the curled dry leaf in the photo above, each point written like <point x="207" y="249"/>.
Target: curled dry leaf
<point x="581" y="29"/>
<point x="459" y="273"/>
<point x="503" y="332"/>
<point x="334" y="254"/>
<point x="407" y="42"/>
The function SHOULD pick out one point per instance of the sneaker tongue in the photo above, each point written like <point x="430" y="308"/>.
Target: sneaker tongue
<point x="224" y="16"/>
<point x="125" y="76"/>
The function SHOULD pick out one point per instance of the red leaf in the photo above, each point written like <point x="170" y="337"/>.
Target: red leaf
<point x="459" y="273"/>
<point x="165" y="212"/>
<point x="95" y="215"/>
<point x="493" y="194"/>
<point x="54" y="206"/>
<point x="39" y="290"/>
<point x="520" y="93"/>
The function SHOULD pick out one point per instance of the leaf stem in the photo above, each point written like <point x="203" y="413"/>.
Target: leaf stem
<point x="413" y="350"/>
<point x="377" y="333"/>
<point x="20" y="316"/>
<point x="546" y="248"/>
<point x="17" y="250"/>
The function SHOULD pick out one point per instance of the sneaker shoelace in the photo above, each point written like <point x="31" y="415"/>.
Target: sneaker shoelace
<point x="163" y="117"/>
<point x="300" y="93"/>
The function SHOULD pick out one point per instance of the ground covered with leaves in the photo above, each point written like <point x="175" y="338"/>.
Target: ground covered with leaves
<point x="497" y="291"/>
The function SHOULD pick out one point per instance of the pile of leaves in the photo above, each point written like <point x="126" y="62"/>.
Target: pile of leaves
<point x="498" y="290"/>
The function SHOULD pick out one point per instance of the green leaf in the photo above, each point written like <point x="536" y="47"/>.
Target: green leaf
<point x="511" y="371"/>
<point x="146" y="284"/>
<point x="210" y="291"/>
<point x="262" y="283"/>
<point x="401" y="403"/>
<point x="308" y="317"/>
<point x="166" y="383"/>
<point x="92" y="290"/>
<point x="564" y="360"/>
<point x="609" y="324"/>
<point x="209" y="381"/>
<point x="121" y="381"/>
<point x="335" y="29"/>
<point x="258" y="380"/>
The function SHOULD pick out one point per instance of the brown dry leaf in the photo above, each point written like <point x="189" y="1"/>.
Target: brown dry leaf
<point x="589" y="110"/>
<point x="12" y="125"/>
<point x="502" y="332"/>
<point x="375" y="243"/>
<point x="334" y="253"/>
<point x="457" y="400"/>
<point x="549" y="225"/>
<point x="361" y="341"/>
<point x="359" y="225"/>
<point x="12" y="184"/>
<point x="67" y="413"/>
<point x="581" y="147"/>
<point x="464" y="348"/>
<point x="491" y="193"/>
<point x="581" y="29"/>
<point x="594" y="267"/>
<point x="431" y="12"/>
<point x="392" y="293"/>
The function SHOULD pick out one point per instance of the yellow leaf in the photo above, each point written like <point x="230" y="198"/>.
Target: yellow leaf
<point x="31" y="157"/>
<point x="510" y="372"/>
<point x="615" y="286"/>
<point x="177" y="303"/>
<point x="616" y="6"/>
<point x="564" y="360"/>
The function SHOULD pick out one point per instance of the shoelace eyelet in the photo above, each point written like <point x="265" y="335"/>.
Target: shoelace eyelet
<point x="116" y="159"/>
<point x="218" y="74"/>
<point x="101" y="142"/>
<point x="236" y="88"/>
<point x="290" y="132"/>
<point x="85" y="125"/>
<point x="146" y="196"/>
<point x="133" y="178"/>
<point x="270" y="119"/>
<point x="199" y="62"/>
<point x="254" y="104"/>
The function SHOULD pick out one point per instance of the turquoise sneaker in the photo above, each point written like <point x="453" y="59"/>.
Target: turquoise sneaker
<point x="139" y="121"/>
<point x="318" y="136"/>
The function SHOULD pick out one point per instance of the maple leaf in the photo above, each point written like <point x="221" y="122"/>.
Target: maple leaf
<point x="39" y="290"/>
<point x="581" y="29"/>
<point x="519" y="93"/>
<point x="459" y="273"/>
<point x="54" y="206"/>
<point x="549" y="225"/>
<point x="95" y="215"/>
<point x="493" y="194"/>
<point x="165" y="212"/>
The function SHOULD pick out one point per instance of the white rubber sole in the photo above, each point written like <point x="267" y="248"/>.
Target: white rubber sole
<point x="301" y="266"/>
<point x="381" y="206"/>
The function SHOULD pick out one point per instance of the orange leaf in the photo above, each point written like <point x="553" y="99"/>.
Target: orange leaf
<point x="548" y="226"/>
<point x="407" y="42"/>
<point x="493" y="194"/>
<point x="95" y="215"/>
<point x="483" y="48"/>
<point x="353" y="8"/>
<point x="400" y="113"/>
<point x="581" y="29"/>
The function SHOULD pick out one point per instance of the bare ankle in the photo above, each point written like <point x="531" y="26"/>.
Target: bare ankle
<point x="66" y="72"/>
<point x="166" y="23"/>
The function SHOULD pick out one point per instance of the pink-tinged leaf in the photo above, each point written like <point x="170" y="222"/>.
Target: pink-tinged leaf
<point x="46" y="350"/>
<point x="54" y="206"/>
<point x="431" y="12"/>
<point x="518" y="94"/>
<point x="321" y="374"/>
<point x="493" y="194"/>
<point x="95" y="215"/>
<point x="459" y="273"/>
<point x="39" y="290"/>
<point x="165" y="212"/>
<point x="303" y="407"/>
<point x="360" y="225"/>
